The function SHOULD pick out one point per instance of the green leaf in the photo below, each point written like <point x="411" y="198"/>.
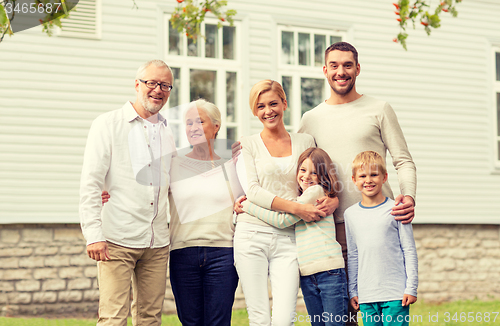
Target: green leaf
<point x="402" y="39"/>
<point x="57" y="22"/>
<point x="3" y="17"/>
<point x="434" y="21"/>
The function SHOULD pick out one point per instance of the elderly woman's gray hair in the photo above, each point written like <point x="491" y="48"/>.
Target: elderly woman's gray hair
<point x="210" y="109"/>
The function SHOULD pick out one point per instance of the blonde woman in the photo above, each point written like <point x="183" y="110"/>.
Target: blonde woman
<point x="262" y="250"/>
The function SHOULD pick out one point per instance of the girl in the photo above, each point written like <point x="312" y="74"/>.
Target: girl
<point x="323" y="279"/>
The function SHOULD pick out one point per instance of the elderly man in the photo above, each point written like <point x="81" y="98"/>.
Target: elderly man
<point x="128" y="153"/>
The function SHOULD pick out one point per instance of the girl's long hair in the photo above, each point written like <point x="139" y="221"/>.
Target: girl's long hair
<point x="325" y="170"/>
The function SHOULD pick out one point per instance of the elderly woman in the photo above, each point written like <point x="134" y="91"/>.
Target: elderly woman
<point x="201" y="199"/>
<point x="202" y="272"/>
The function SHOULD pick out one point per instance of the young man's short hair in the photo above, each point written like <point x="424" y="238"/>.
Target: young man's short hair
<point x="342" y="46"/>
<point x="368" y="158"/>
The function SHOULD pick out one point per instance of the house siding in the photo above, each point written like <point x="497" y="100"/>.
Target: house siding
<point x="51" y="89"/>
<point x="440" y="90"/>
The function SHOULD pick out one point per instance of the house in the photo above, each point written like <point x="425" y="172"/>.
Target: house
<point x="445" y="90"/>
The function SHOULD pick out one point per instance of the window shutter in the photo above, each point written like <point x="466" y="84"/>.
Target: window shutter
<point x="84" y="21"/>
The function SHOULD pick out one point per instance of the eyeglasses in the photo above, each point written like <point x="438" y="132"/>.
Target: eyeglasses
<point x="153" y="84"/>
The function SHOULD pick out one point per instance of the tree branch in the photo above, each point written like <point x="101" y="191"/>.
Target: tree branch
<point x="9" y="23"/>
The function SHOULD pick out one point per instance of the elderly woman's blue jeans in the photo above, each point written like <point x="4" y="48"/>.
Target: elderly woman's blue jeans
<point x="203" y="281"/>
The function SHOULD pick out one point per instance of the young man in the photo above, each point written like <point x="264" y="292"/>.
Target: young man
<point x="128" y="153"/>
<point x="382" y="262"/>
<point x="348" y="123"/>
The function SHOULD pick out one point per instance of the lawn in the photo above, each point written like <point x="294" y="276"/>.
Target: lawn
<point x="455" y="313"/>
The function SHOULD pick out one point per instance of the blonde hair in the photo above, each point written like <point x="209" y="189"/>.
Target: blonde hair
<point x="325" y="170"/>
<point x="368" y="158"/>
<point x="262" y="87"/>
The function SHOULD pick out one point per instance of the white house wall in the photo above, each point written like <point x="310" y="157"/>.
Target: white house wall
<point x="441" y="89"/>
<point x="51" y="88"/>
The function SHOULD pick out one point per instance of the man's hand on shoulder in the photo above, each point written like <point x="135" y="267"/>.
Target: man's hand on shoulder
<point x="98" y="251"/>
<point x="406" y="211"/>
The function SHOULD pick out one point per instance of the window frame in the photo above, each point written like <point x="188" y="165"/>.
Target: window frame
<point x="185" y="63"/>
<point x="495" y="105"/>
<point x="297" y="71"/>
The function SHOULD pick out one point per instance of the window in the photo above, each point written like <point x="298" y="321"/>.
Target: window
<point x="300" y="64"/>
<point x="496" y="102"/>
<point x="209" y="68"/>
<point x="84" y="20"/>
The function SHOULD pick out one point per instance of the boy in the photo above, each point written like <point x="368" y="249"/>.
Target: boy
<point x="382" y="259"/>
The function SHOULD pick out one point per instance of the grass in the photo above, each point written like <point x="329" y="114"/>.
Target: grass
<point x="441" y="315"/>
<point x="444" y="314"/>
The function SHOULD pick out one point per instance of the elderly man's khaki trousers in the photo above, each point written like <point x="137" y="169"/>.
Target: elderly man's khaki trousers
<point x="148" y="270"/>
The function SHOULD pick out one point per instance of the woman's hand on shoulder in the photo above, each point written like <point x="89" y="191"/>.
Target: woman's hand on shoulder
<point x="327" y="205"/>
<point x="308" y="212"/>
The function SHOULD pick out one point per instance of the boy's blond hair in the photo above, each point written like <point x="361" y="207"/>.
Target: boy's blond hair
<point x="368" y="158"/>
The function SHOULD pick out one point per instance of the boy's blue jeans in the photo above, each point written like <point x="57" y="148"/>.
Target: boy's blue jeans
<point x="325" y="295"/>
<point x="385" y="313"/>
